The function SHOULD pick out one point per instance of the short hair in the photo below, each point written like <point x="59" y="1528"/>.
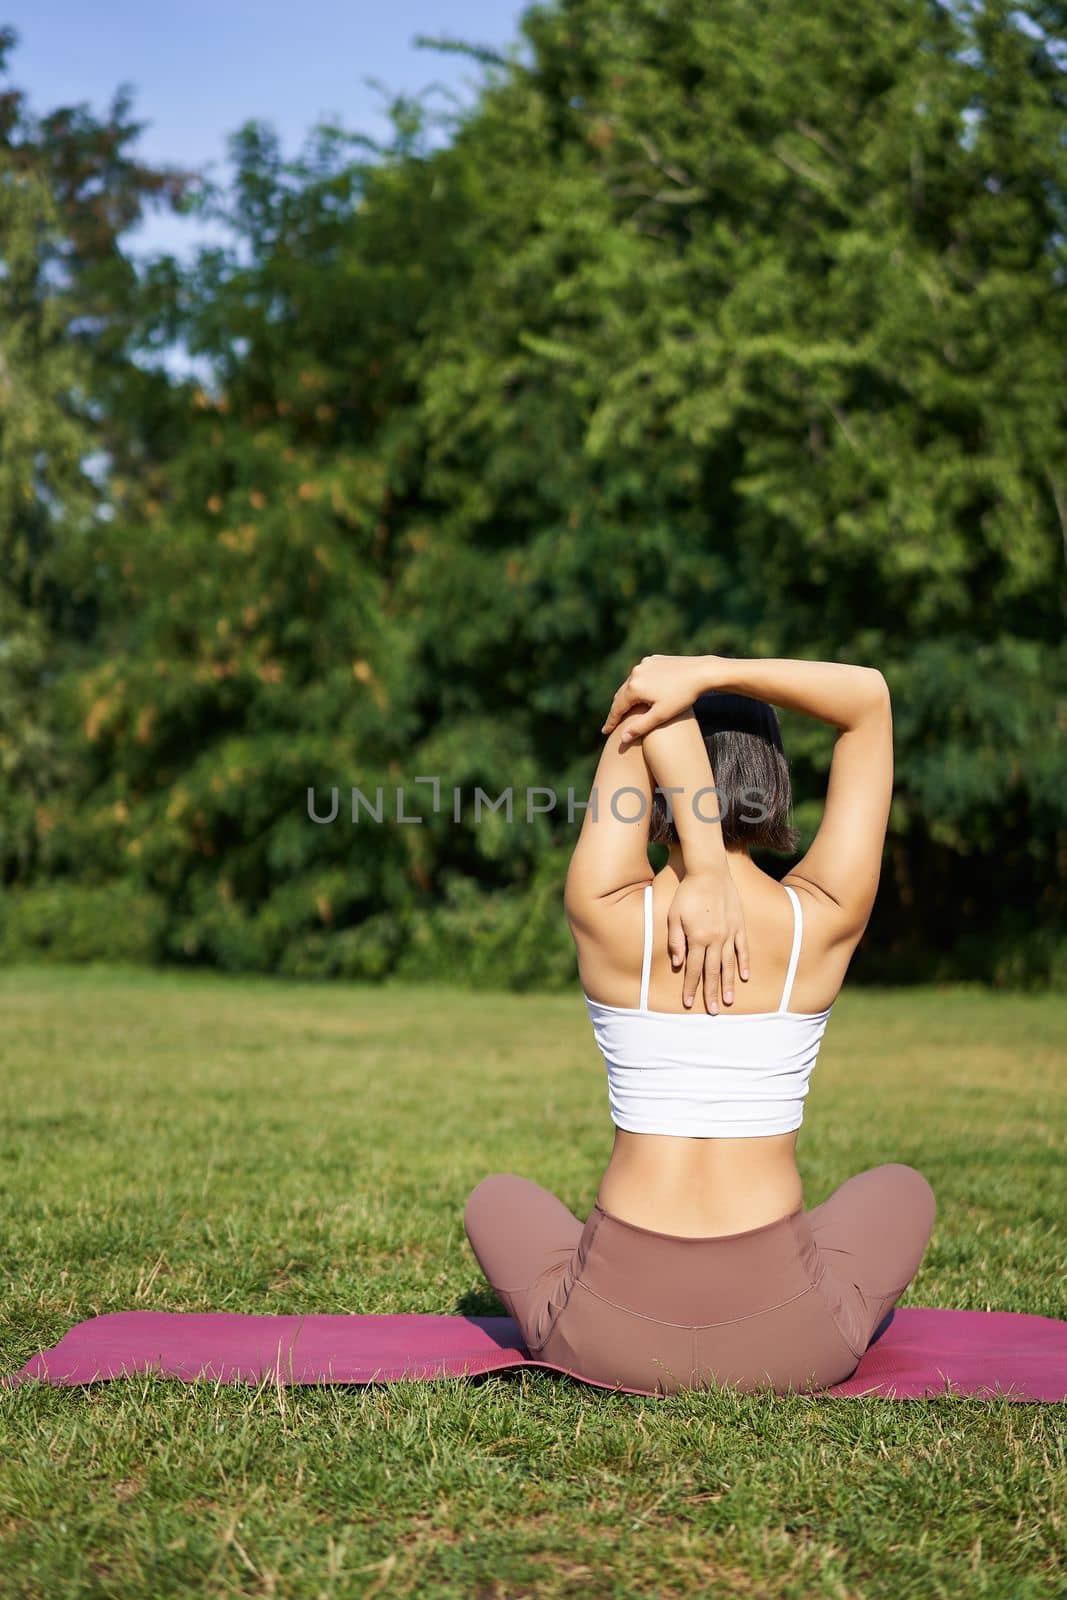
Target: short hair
<point x="753" y="793"/>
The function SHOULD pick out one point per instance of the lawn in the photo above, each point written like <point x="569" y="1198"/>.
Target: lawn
<point x="192" y="1142"/>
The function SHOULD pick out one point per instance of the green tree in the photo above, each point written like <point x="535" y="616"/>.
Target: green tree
<point x="69" y="188"/>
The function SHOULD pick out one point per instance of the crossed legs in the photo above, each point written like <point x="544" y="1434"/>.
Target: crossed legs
<point x="870" y="1235"/>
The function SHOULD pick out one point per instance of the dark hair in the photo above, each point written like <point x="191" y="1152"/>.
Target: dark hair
<point x="753" y="794"/>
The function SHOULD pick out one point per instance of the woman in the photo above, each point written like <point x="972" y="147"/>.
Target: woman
<point x="698" y="1264"/>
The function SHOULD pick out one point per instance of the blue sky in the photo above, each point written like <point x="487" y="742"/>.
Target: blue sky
<point x="202" y="67"/>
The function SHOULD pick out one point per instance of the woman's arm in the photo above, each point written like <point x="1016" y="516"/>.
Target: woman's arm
<point x="705" y="924"/>
<point x="844" y="861"/>
<point x="610" y="859"/>
<point x="829" y="690"/>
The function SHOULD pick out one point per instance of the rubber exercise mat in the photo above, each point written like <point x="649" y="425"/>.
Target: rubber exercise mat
<point x="920" y="1353"/>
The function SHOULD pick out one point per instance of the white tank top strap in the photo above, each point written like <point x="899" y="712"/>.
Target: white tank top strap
<point x="646" y="958"/>
<point x="794" y="956"/>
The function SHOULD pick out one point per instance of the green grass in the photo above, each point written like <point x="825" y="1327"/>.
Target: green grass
<point x="193" y="1142"/>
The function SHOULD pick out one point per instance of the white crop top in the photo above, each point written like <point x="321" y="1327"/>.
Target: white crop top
<point x="731" y="1076"/>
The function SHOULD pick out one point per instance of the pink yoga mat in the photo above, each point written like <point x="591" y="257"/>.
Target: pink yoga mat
<point x="921" y="1353"/>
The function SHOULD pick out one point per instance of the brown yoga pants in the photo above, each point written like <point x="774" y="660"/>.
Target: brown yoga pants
<point x="791" y="1305"/>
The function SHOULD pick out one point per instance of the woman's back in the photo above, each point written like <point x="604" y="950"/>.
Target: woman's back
<point x="720" y="1087"/>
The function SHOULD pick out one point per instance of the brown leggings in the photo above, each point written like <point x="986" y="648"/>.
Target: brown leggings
<point x="792" y="1305"/>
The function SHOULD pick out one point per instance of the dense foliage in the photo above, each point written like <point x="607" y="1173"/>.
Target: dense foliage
<point x="709" y="327"/>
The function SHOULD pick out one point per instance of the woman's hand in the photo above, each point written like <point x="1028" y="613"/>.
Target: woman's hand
<point x="706" y="931"/>
<point x="667" y="685"/>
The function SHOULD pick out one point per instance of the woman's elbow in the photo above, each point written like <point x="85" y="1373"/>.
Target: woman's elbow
<point x="877" y="688"/>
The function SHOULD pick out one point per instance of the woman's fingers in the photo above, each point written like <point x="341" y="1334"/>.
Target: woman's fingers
<point x="711" y="976"/>
<point x="741" y="946"/>
<point x="694" y="966"/>
<point x="729" y="973"/>
<point x="620" y="705"/>
<point x="637" y="727"/>
<point x="675" y="939"/>
<point x="717" y="962"/>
